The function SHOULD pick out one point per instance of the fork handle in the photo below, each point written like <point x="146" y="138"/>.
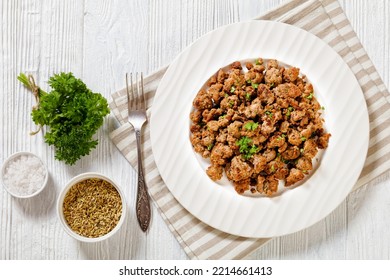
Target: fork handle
<point x="143" y="203"/>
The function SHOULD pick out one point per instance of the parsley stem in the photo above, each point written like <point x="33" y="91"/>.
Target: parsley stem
<point x="29" y="82"/>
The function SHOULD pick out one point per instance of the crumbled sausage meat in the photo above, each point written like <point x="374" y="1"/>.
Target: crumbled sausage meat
<point x="239" y="169"/>
<point x="260" y="183"/>
<point x="220" y="154"/>
<point x="215" y="172"/>
<point x="269" y="186"/>
<point x="241" y="186"/>
<point x="259" y="163"/>
<point x="272" y="63"/>
<point x="310" y="148"/>
<point x="294" y="176"/>
<point x="304" y="164"/>
<point x="269" y="154"/>
<point x="323" y="140"/>
<point x="291" y="74"/>
<point x="294" y="137"/>
<point x="203" y="100"/>
<point x="259" y="126"/>
<point x="291" y="152"/>
<point x="273" y="77"/>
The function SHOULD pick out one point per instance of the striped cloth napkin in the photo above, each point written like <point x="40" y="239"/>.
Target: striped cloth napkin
<point x="325" y="19"/>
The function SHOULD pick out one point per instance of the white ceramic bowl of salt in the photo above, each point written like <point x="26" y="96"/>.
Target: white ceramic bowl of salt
<point x="24" y="175"/>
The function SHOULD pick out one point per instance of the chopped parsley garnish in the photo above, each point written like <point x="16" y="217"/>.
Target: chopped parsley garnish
<point x="289" y="110"/>
<point x="246" y="147"/>
<point x="251" y="125"/>
<point x="322" y="108"/>
<point x="233" y="89"/>
<point x="268" y="113"/>
<point x="271" y="85"/>
<point x="226" y="95"/>
<point x="280" y="137"/>
<point x="248" y="96"/>
<point x="285" y="160"/>
<point x="255" y="86"/>
<point x="222" y="117"/>
<point x="310" y="96"/>
<point x="210" y="146"/>
<point x="231" y="103"/>
<point x="303" y="138"/>
<point x="257" y="62"/>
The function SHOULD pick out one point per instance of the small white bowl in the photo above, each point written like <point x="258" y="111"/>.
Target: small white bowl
<point x="60" y="202"/>
<point x="7" y="163"/>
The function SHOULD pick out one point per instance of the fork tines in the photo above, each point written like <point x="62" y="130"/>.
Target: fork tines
<point x="135" y="92"/>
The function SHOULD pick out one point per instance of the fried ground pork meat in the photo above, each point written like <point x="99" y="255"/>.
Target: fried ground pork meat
<point x="259" y="126"/>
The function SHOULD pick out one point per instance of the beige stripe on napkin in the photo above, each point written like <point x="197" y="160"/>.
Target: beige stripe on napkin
<point x="326" y="20"/>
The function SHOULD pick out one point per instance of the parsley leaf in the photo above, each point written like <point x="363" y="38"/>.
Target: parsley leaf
<point x="72" y="112"/>
<point x="310" y="96"/>
<point x="210" y="146"/>
<point x="246" y="148"/>
<point x="268" y="113"/>
<point x="251" y="125"/>
<point x="281" y="137"/>
<point x="289" y="110"/>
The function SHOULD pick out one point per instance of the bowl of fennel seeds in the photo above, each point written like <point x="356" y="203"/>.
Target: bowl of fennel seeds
<point x="91" y="207"/>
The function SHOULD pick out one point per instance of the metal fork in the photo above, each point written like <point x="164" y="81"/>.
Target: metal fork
<point x="137" y="117"/>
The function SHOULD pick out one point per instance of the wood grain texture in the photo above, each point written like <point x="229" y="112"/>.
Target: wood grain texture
<point x="100" y="41"/>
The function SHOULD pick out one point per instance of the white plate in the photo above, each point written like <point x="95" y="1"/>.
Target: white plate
<point x="221" y="207"/>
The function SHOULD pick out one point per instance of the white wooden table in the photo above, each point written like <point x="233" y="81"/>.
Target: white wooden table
<point x="101" y="40"/>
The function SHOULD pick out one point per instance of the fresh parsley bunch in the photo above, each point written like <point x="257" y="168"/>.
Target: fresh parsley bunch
<point x="72" y="112"/>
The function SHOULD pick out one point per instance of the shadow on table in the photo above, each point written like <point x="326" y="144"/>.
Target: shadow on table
<point x="40" y="205"/>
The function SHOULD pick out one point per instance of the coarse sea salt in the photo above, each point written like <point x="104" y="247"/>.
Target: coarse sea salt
<point x="24" y="175"/>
